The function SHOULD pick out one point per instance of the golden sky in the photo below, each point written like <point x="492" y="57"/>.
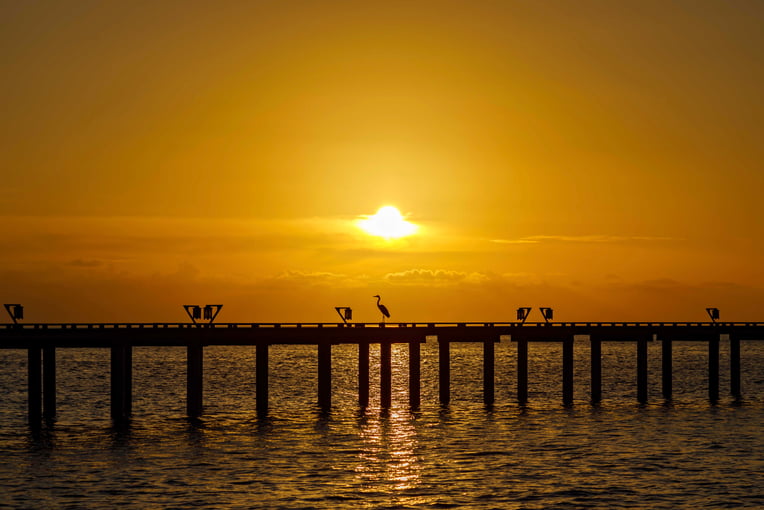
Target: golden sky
<point x="601" y="158"/>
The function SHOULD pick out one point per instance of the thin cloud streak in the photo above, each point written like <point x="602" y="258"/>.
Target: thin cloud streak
<point x="435" y="277"/>
<point x="416" y="294"/>
<point x="538" y="239"/>
<point x="314" y="278"/>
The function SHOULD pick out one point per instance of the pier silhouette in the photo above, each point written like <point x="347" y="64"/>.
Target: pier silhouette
<point x="41" y="341"/>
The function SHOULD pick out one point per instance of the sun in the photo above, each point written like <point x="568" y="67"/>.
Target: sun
<point x="388" y="223"/>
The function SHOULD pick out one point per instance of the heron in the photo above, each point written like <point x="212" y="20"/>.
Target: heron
<point x="382" y="308"/>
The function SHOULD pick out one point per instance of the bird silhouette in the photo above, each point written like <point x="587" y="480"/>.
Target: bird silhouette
<point x="382" y="308"/>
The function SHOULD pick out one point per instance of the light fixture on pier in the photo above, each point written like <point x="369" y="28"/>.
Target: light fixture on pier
<point x="713" y="313"/>
<point x="523" y="313"/>
<point x="207" y="313"/>
<point x="15" y="311"/>
<point x="547" y="313"/>
<point x="345" y="313"/>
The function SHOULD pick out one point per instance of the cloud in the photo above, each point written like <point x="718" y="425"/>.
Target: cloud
<point x="222" y="247"/>
<point x="437" y="277"/>
<point x="515" y="241"/>
<point x="526" y="279"/>
<point x="581" y="239"/>
<point x="314" y="277"/>
<point x="660" y="284"/>
<point x="417" y="294"/>
<point x="85" y="263"/>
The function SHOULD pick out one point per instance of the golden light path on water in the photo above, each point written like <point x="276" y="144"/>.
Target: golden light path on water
<point x="389" y="453"/>
<point x="617" y="455"/>
<point x="388" y="458"/>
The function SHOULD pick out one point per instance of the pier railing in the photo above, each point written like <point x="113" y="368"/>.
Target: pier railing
<point x="381" y="325"/>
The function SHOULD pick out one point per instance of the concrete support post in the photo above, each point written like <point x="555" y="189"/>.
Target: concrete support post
<point x="489" y="355"/>
<point x="522" y="370"/>
<point x="642" y="370"/>
<point x="595" y="354"/>
<point x="325" y="376"/>
<point x="194" y="379"/>
<point x="261" y="378"/>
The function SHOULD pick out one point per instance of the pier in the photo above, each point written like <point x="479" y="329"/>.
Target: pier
<point x="42" y="341"/>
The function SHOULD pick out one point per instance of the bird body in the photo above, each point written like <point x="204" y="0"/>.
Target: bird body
<point x="382" y="308"/>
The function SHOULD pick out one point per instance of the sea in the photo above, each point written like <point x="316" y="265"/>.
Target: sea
<point x="684" y="453"/>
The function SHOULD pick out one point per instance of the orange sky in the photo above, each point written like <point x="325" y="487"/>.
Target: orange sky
<point x="601" y="158"/>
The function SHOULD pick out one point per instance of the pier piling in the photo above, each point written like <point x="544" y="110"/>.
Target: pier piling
<point x="194" y="379"/>
<point x="595" y="354"/>
<point x="522" y="370"/>
<point x="325" y="376"/>
<point x="117" y="381"/>
<point x="642" y="370"/>
<point x="128" y="403"/>
<point x="489" y="351"/>
<point x="121" y="381"/>
<point x="261" y="378"/>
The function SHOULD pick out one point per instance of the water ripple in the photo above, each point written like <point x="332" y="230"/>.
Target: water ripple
<point x="687" y="454"/>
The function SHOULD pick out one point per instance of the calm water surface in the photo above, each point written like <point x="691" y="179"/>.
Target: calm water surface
<point x="684" y="454"/>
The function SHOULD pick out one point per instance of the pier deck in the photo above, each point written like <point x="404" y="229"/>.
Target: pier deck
<point x="15" y="336"/>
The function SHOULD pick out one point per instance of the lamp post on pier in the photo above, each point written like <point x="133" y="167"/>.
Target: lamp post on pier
<point x="15" y="312"/>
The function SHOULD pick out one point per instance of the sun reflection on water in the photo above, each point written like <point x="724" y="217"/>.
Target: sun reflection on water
<point x="388" y="458"/>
